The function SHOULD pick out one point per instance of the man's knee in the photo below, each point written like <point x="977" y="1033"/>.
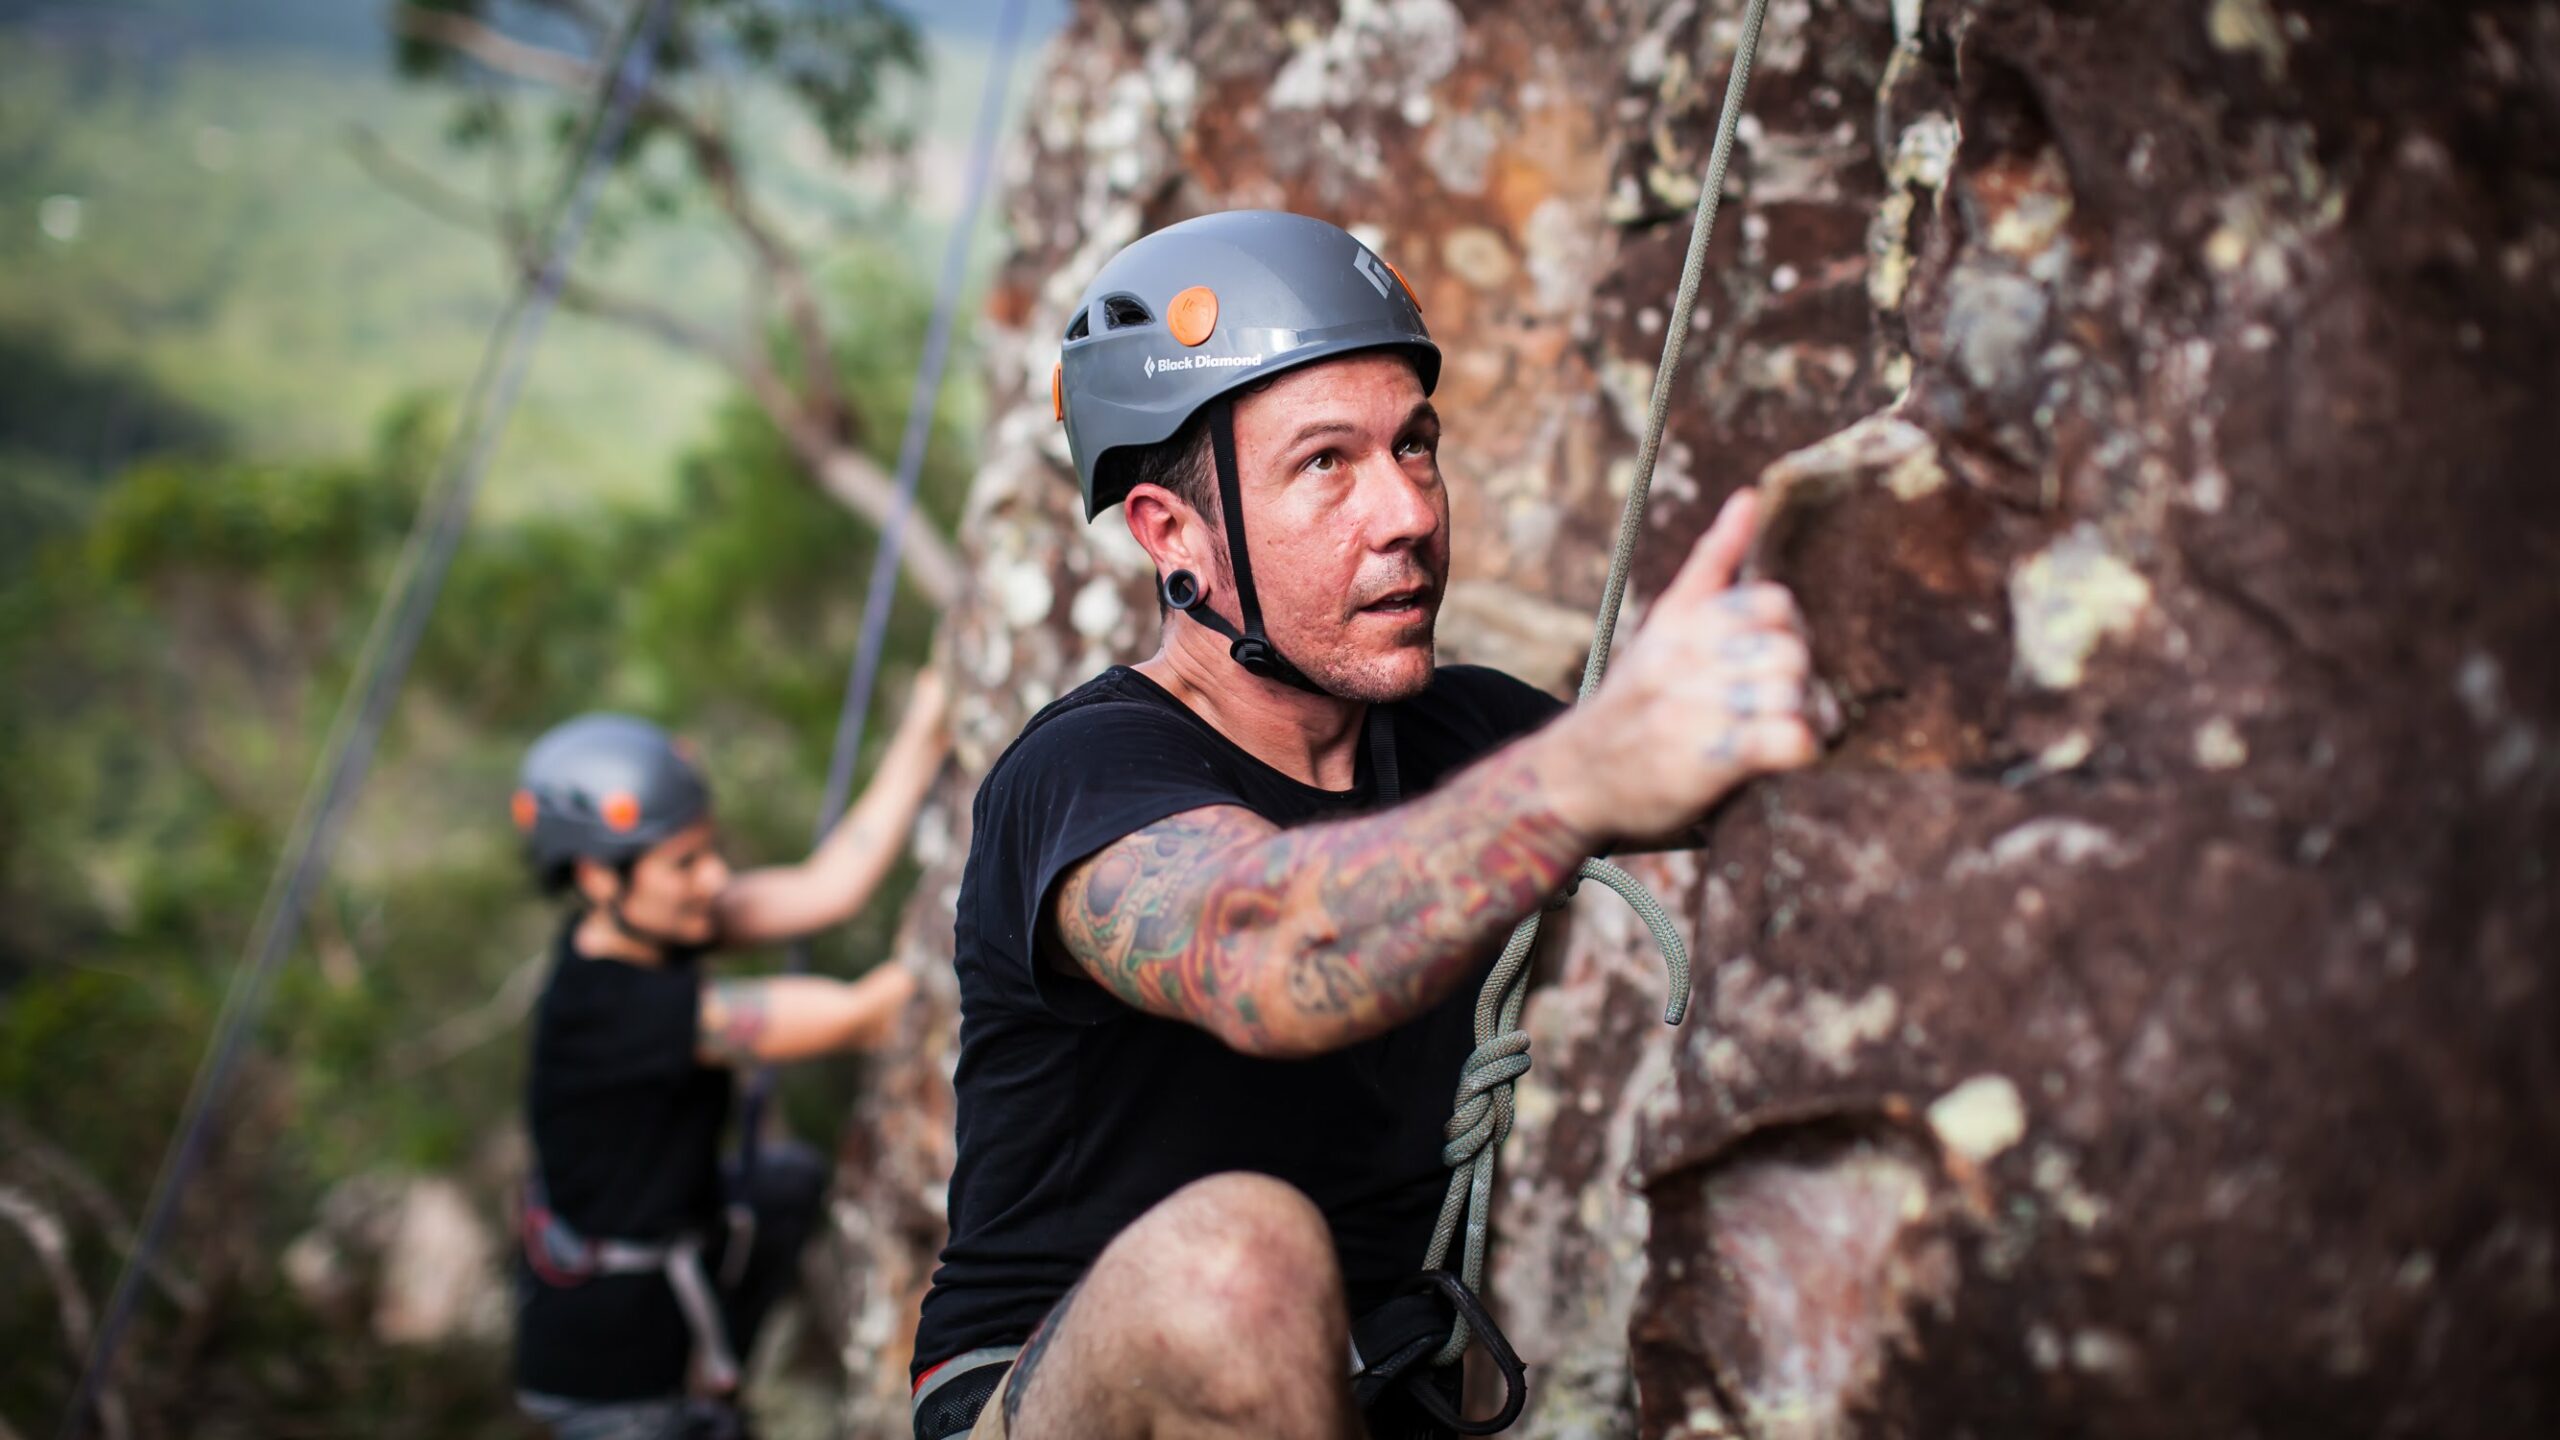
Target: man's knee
<point x="1223" y="1303"/>
<point x="1244" y="1266"/>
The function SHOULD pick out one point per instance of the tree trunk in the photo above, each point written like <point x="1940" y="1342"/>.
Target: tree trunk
<point x="2145" y="1021"/>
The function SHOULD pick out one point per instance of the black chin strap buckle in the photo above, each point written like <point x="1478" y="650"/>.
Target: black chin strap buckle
<point x="1183" y="591"/>
<point x="1258" y="657"/>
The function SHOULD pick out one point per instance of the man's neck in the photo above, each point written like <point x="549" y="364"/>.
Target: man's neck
<point x="1312" y="739"/>
<point x="598" y="938"/>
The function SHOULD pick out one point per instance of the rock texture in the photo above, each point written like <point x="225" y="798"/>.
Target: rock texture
<point x="2146" y="1021"/>
<point x="408" y="1257"/>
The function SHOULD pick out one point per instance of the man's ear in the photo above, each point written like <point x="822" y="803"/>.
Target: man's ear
<point x="1169" y="530"/>
<point x="598" y="883"/>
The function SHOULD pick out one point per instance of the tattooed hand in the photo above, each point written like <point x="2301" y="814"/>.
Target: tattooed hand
<point x="1711" y="692"/>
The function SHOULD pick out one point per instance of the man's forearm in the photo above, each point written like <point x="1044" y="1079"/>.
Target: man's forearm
<point x="792" y="1017"/>
<point x="1309" y="939"/>
<point x="839" y="877"/>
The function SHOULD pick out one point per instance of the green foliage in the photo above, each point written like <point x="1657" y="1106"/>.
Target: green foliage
<point x="209" y="458"/>
<point x="838" y="60"/>
<point x="840" y="70"/>
<point x="168" y="665"/>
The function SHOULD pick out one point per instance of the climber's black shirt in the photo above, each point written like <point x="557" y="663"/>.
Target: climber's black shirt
<point x="626" y="1128"/>
<point x="1077" y="1112"/>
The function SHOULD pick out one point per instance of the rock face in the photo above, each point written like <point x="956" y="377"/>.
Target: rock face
<point x="408" y="1257"/>
<point x="2146" y="1021"/>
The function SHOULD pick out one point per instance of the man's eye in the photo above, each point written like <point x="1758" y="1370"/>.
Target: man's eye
<point x="1417" y="445"/>
<point x="1323" y="462"/>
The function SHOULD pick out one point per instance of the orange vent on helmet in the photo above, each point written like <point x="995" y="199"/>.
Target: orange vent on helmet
<point x="1192" y="315"/>
<point x="522" y="806"/>
<point x="621" y="811"/>
<point x="1407" y="284"/>
<point x="1058" y="392"/>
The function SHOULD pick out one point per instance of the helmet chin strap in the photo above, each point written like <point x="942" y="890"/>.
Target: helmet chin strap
<point x="1182" y="590"/>
<point x="613" y="916"/>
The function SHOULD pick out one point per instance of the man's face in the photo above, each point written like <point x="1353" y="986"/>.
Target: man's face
<point x="1339" y="464"/>
<point x="674" y="886"/>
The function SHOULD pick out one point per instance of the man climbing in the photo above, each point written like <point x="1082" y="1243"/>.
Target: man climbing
<point x="1215" y="980"/>
<point x="642" y="1286"/>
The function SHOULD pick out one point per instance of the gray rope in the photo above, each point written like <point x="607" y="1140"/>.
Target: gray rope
<point x="882" y="591"/>
<point x="1482" y="1116"/>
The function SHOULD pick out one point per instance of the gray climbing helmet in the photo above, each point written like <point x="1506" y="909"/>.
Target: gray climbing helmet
<point x="1199" y="310"/>
<point x="1180" y="321"/>
<point x="606" y="788"/>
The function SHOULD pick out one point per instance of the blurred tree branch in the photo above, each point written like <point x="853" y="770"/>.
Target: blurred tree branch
<point x="484" y="43"/>
<point x="457" y="1034"/>
<point x="44" y="1234"/>
<point x="828" y="60"/>
<point x="50" y="1163"/>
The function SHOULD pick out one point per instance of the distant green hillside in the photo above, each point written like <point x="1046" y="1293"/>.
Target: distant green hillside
<point x="203" y="221"/>
<point x="195" y="215"/>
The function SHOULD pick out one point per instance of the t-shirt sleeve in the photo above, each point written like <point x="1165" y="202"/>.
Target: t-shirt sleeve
<point x="614" y="1025"/>
<point x="1072" y="787"/>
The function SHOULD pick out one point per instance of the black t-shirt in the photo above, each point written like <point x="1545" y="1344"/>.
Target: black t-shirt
<point x="1078" y="1112"/>
<point x="626" y="1134"/>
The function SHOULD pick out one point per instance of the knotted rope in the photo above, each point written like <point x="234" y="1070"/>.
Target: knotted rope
<point x="1482" y="1117"/>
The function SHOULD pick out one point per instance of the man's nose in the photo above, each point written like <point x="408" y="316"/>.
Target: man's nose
<point x="1398" y="511"/>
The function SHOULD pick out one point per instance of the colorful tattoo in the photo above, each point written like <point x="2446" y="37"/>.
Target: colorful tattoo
<point x="733" y="1021"/>
<point x="1297" y="941"/>
<point x="1018" y="1384"/>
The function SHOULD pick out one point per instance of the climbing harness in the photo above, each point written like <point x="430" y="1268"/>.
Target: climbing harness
<point x="1483" y="1112"/>
<point x="1395" y="1346"/>
<point x="881" y="591"/>
<point x="948" y="1398"/>
<point x="561" y="1256"/>
<point x="389" y="645"/>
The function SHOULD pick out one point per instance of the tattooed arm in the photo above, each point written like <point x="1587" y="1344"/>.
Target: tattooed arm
<point x="1295" y="942"/>
<point x="793" y="1017"/>
<point x="1300" y="941"/>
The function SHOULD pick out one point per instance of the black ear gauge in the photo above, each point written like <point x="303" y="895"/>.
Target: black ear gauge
<point x="1181" y="589"/>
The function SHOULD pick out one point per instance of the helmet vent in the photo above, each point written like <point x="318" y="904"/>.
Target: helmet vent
<point x="1119" y="312"/>
<point x="1081" y="326"/>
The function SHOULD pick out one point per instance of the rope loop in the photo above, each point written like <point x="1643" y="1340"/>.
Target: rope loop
<point x="1666" y="936"/>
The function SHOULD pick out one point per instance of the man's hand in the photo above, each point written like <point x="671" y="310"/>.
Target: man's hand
<point x="1711" y="692"/>
<point x="784" y="902"/>
<point x="1294" y="942"/>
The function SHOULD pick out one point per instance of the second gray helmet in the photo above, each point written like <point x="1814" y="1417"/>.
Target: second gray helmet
<point x="1200" y="309"/>
<point x="607" y="788"/>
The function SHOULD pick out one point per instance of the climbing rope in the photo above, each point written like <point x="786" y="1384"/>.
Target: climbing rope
<point x="882" y="591"/>
<point x="382" y="663"/>
<point x="1482" y="1117"/>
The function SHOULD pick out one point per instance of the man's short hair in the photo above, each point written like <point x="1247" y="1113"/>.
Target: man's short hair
<point x="1181" y="464"/>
